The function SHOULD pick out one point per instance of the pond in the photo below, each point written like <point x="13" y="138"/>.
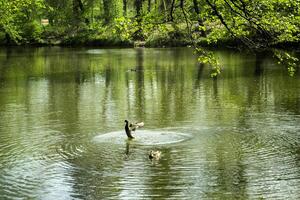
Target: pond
<point x="62" y="113"/>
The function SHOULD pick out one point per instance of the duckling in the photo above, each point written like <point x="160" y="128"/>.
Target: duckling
<point x="154" y="155"/>
<point x="129" y="128"/>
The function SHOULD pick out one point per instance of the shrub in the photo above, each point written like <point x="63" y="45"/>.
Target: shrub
<point x="32" y="31"/>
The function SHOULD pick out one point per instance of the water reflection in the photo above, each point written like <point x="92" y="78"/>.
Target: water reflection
<point x="244" y="126"/>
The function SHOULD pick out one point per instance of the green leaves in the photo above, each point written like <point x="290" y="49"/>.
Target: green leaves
<point x="124" y="28"/>
<point x="15" y="14"/>
<point x="255" y="23"/>
<point x="290" y="62"/>
<point x="207" y="57"/>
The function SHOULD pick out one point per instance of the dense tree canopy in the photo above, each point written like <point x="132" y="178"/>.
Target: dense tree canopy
<point x="17" y="18"/>
<point x="254" y="23"/>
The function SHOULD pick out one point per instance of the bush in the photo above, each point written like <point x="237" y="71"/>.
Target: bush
<point x="124" y="29"/>
<point x="32" y="32"/>
<point x="167" y="36"/>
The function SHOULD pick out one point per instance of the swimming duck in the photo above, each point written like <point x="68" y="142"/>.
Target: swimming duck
<point x="154" y="155"/>
<point x="130" y="127"/>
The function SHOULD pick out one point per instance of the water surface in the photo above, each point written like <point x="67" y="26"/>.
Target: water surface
<point x="62" y="114"/>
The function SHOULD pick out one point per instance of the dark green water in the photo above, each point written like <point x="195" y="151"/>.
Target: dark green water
<point x="62" y="114"/>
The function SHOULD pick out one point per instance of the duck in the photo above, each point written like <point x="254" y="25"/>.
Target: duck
<point x="154" y="154"/>
<point x="131" y="127"/>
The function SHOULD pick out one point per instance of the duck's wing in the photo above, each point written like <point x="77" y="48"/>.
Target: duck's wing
<point x="158" y="153"/>
<point x="140" y="124"/>
<point x="134" y="126"/>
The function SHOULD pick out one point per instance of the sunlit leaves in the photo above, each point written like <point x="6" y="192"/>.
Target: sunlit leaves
<point x="124" y="28"/>
<point x="15" y="13"/>
<point x="289" y="61"/>
<point x="207" y="57"/>
<point x="263" y="22"/>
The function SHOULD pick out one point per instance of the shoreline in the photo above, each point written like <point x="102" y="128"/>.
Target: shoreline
<point x="110" y="43"/>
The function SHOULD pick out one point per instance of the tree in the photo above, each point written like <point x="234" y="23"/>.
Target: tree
<point x="112" y="9"/>
<point x="16" y="14"/>
<point x="78" y="11"/>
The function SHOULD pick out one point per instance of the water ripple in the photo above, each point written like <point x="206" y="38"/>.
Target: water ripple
<point x="144" y="137"/>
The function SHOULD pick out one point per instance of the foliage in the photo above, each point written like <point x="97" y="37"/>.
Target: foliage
<point x="255" y="23"/>
<point x="207" y="57"/>
<point x="124" y="28"/>
<point x="284" y="58"/>
<point x="32" y="31"/>
<point x="15" y="13"/>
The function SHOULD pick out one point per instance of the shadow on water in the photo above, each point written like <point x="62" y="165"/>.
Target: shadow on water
<point x="259" y="58"/>
<point x="200" y="69"/>
<point x="139" y="85"/>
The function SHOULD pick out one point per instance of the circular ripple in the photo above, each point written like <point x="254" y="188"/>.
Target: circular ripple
<point x="70" y="150"/>
<point x="144" y="137"/>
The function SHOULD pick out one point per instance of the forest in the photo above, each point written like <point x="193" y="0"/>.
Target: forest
<point x="255" y="24"/>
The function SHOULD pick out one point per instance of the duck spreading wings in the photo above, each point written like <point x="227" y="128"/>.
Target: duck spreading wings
<point x="131" y="127"/>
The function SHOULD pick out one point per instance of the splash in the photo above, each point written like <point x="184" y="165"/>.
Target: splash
<point x="144" y="137"/>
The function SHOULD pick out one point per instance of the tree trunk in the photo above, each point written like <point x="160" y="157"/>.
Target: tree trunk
<point x="149" y="5"/>
<point x="125" y="8"/>
<point x="138" y="7"/>
<point x="197" y="11"/>
<point x="78" y="11"/>
<point x="106" y="9"/>
<point x="171" y="10"/>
